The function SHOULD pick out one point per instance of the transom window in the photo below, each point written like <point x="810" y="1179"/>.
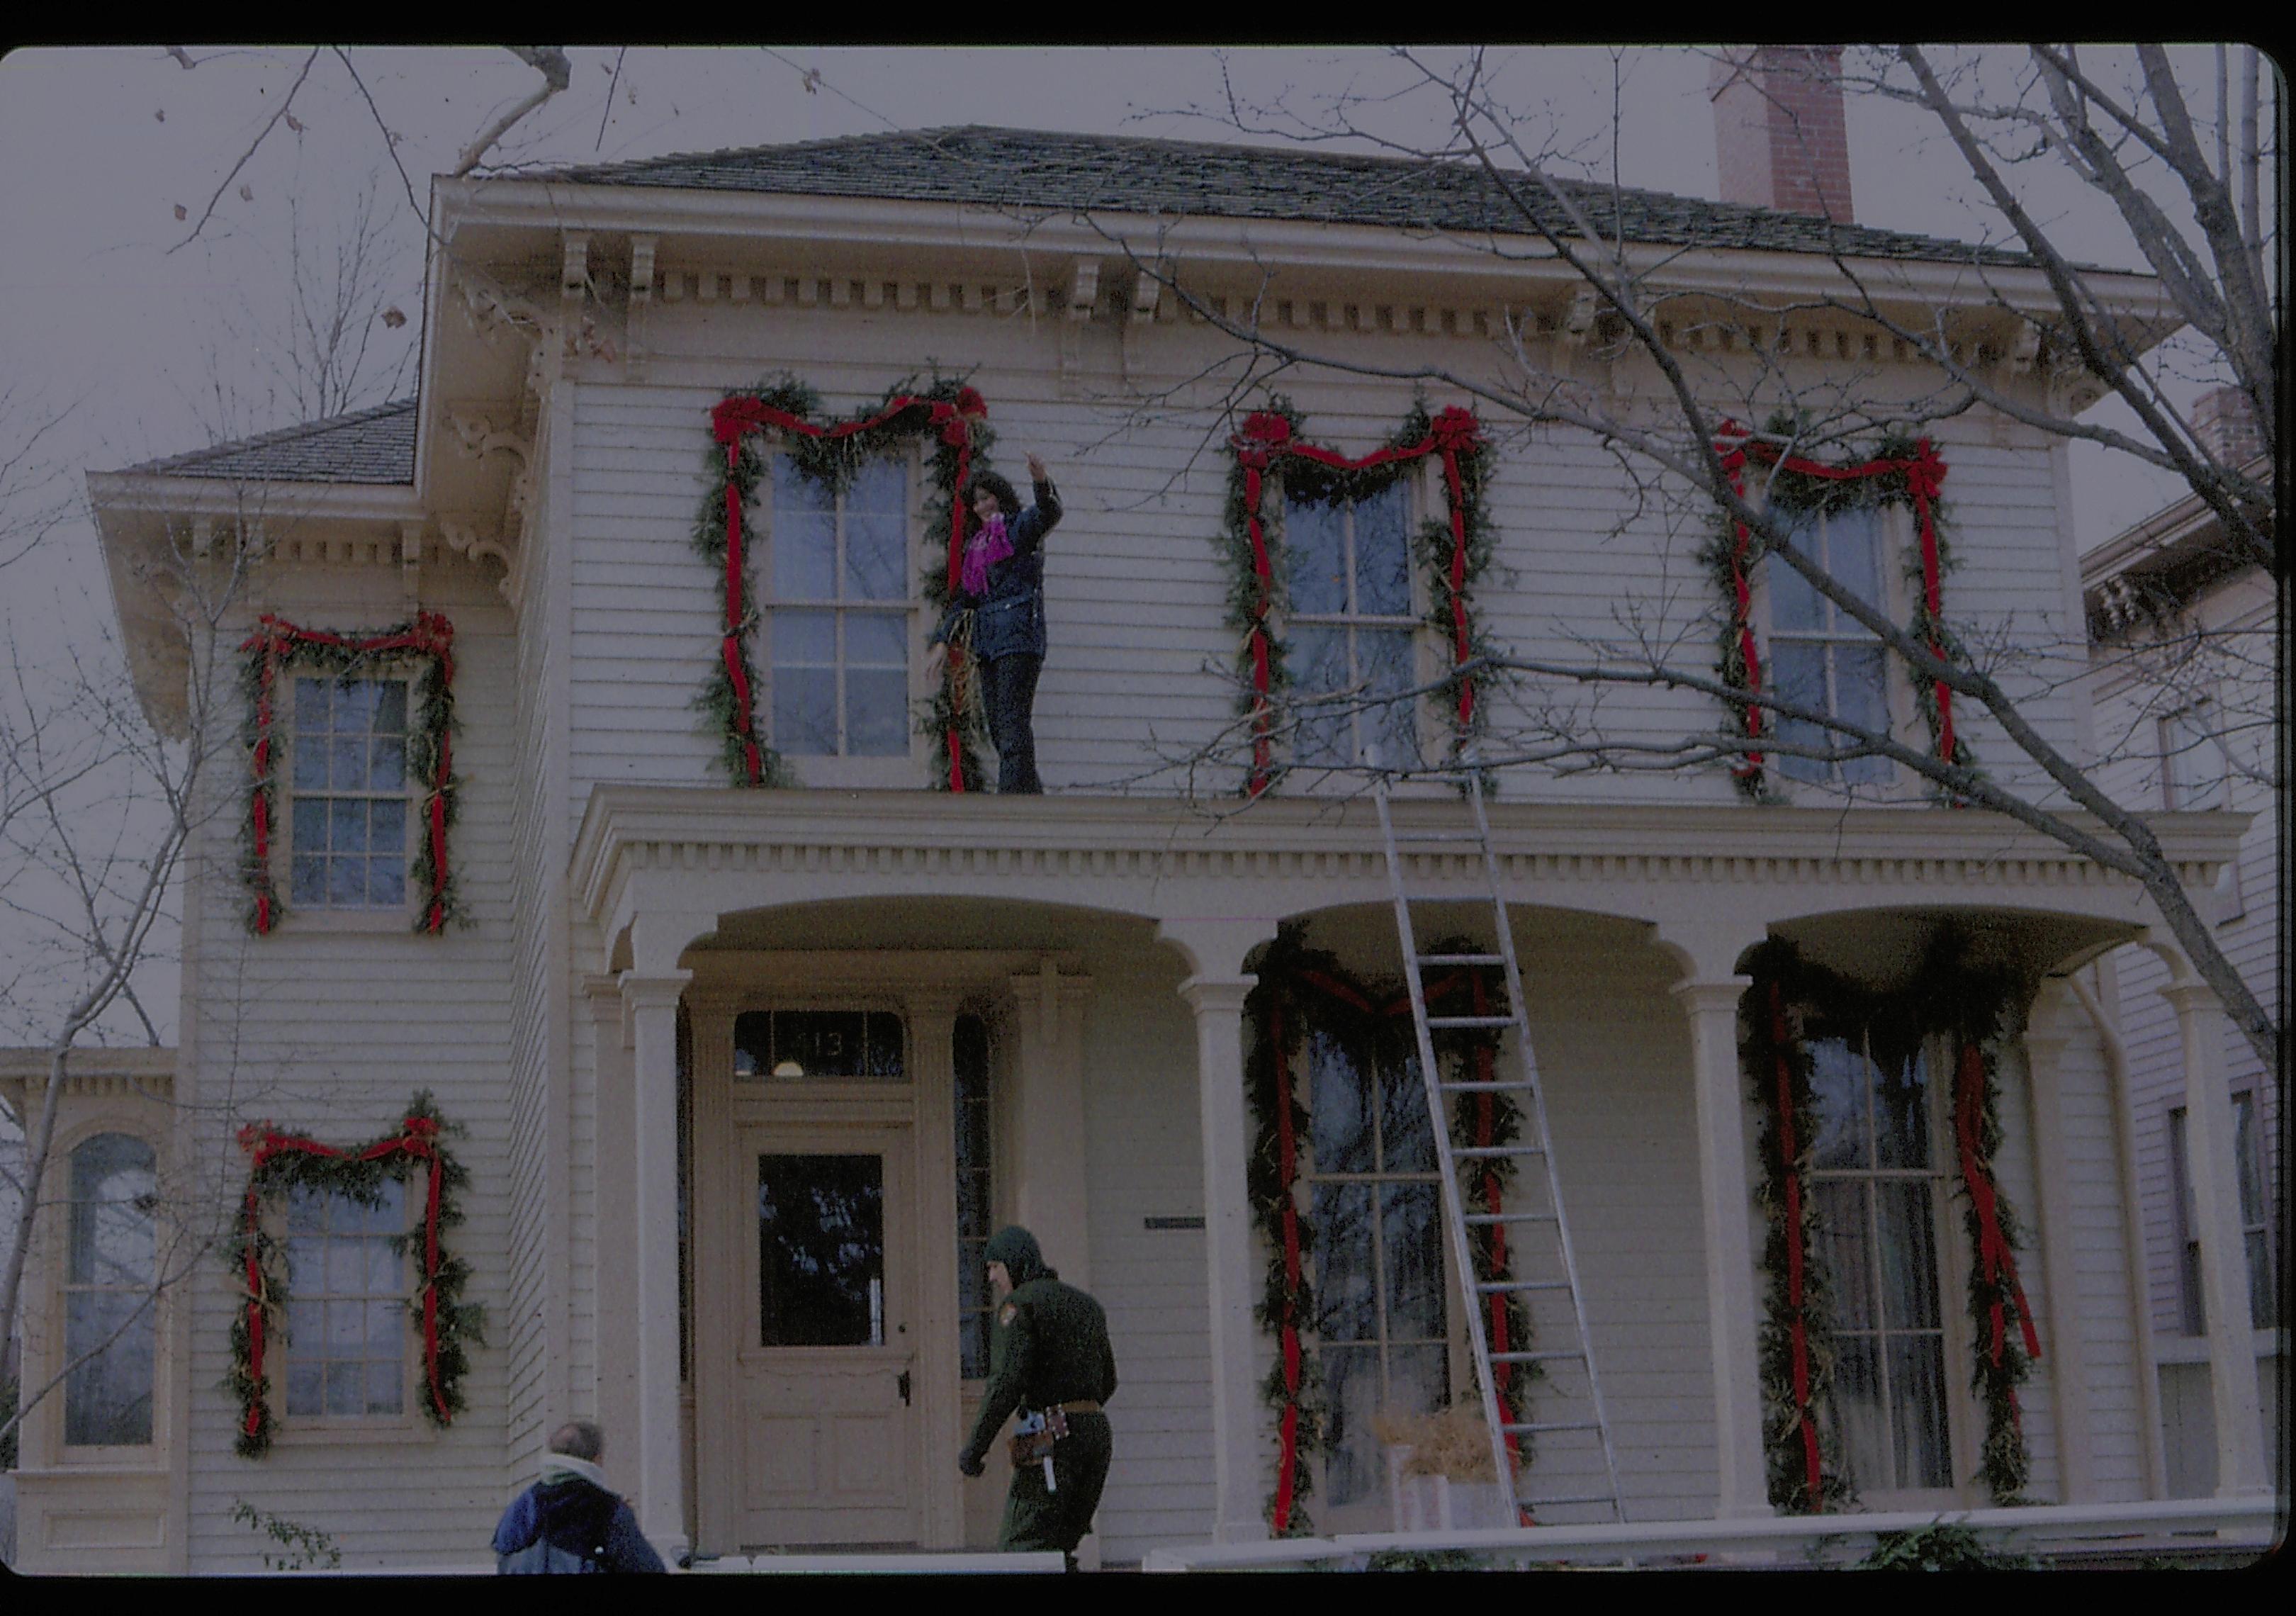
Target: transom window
<point x="109" y="1273"/>
<point x="1351" y="625"/>
<point x="1381" y="1323"/>
<point x="346" y="1304"/>
<point x="838" y="626"/>
<point x="349" y="781"/>
<point x="1823" y="659"/>
<point x="818" y="1043"/>
<point x="1877" y="1184"/>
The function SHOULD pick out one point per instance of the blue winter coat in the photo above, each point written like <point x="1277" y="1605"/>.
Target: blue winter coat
<point x="585" y="1521"/>
<point x="1009" y="617"/>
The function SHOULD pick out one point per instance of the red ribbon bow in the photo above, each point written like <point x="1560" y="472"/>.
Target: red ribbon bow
<point x="1455" y="431"/>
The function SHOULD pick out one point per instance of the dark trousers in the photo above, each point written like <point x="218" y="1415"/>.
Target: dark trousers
<point x="1008" y="687"/>
<point x="1037" y="1520"/>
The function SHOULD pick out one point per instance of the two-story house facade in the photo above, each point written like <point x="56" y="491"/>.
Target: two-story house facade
<point x="743" y="1073"/>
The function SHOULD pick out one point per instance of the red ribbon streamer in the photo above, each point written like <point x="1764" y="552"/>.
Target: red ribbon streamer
<point x="1997" y="1262"/>
<point x="417" y="1139"/>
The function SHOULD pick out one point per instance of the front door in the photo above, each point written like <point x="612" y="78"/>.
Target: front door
<point x="827" y="1356"/>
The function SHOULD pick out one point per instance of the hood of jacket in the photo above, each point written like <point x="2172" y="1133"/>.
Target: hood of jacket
<point x="1017" y="1249"/>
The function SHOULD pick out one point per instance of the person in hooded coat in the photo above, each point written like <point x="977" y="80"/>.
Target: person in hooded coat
<point x="1048" y="1349"/>
<point x="569" y="1520"/>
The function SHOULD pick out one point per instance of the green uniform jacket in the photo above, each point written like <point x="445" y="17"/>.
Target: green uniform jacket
<point x="1049" y="1345"/>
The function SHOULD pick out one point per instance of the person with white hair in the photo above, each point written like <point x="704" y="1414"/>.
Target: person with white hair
<point x="569" y="1520"/>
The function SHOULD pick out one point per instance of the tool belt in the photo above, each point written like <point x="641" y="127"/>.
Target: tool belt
<point x="1034" y="1434"/>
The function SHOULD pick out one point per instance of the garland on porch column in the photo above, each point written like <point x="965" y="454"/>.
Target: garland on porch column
<point x="429" y="742"/>
<point x="1298" y="987"/>
<point x="1968" y="1005"/>
<point x="1900" y="470"/>
<point x="951" y="416"/>
<point x="280" y="1163"/>
<point x="1454" y="549"/>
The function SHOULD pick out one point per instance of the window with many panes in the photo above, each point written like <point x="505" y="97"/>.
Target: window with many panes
<point x="838" y="626"/>
<point x="109" y="1271"/>
<point x="346" y="1304"/>
<point x="1878" y="1183"/>
<point x="2255" y="1219"/>
<point x="1351" y="625"/>
<point x="1821" y="658"/>
<point x="1381" y="1325"/>
<point x="974" y="1210"/>
<point x="349" y="786"/>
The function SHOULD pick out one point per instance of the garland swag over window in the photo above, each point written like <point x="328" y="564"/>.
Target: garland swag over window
<point x="950" y="416"/>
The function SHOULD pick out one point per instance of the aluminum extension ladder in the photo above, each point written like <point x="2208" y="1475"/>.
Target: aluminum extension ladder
<point x="1533" y="1142"/>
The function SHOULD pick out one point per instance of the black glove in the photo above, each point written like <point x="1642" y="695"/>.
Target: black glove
<point x="970" y="1462"/>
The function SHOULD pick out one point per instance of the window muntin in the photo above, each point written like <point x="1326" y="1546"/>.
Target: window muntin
<point x="109" y="1269"/>
<point x="346" y="1304"/>
<point x="1823" y="659"/>
<point x="349" y="847"/>
<point x="1351" y="623"/>
<point x="1876" y="1186"/>
<point x="839" y="622"/>
<point x="975" y="1210"/>
<point x="1382" y="1321"/>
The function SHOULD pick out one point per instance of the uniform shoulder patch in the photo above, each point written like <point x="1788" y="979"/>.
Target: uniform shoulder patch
<point x="1007" y="1314"/>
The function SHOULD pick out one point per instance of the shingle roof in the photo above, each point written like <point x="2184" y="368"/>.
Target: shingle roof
<point x="1062" y="173"/>
<point x="374" y="446"/>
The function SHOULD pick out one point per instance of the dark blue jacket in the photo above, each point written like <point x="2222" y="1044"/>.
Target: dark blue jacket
<point x="1009" y="617"/>
<point x="579" y="1518"/>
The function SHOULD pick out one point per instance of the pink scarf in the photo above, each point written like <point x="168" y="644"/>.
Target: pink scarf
<point x="988" y="544"/>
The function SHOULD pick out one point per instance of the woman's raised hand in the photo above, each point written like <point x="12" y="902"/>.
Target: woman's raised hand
<point x="1037" y="472"/>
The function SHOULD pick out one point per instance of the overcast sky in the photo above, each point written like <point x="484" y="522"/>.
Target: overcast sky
<point x="148" y="341"/>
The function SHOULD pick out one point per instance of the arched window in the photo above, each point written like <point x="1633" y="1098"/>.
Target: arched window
<point x="109" y="1270"/>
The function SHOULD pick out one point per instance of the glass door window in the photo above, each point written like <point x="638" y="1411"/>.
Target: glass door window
<point x="820" y="1251"/>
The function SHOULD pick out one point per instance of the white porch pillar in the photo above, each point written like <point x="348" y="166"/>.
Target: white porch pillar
<point x="1238" y="1456"/>
<point x="1726" y="1203"/>
<point x="613" y="1399"/>
<point x="2213" y="1173"/>
<point x="650" y="1006"/>
<point x="1050" y="1198"/>
<point x="2046" y="1033"/>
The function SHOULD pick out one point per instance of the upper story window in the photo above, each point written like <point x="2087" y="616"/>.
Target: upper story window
<point x="1352" y="624"/>
<point x="346" y="1304"/>
<point x="1877" y="1188"/>
<point x="1382" y="1323"/>
<point x="2193" y="768"/>
<point x="349" y="847"/>
<point x="1823" y="659"/>
<point x="110" y="1269"/>
<point x="838" y="625"/>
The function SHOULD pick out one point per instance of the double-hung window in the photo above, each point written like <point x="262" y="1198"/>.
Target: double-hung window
<point x="2255" y="1219"/>
<point x="110" y="1328"/>
<point x="1352" y="627"/>
<point x="1877" y="1186"/>
<point x="345" y="1305"/>
<point x="838" y="626"/>
<point x="348" y="780"/>
<point x="1382" y="1328"/>
<point x="1822" y="658"/>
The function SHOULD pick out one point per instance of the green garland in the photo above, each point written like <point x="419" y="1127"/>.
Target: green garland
<point x="1971" y="1005"/>
<point x="284" y="1162"/>
<point x="432" y="726"/>
<point x="831" y="460"/>
<point x="1794" y="490"/>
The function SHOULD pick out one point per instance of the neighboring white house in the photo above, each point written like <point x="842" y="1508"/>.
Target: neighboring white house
<point x="676" y="1002"/>
<point x="2183" y="646"/>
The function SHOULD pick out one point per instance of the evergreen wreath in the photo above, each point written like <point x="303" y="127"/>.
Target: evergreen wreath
<point x="1453" y="549"/>
<point x="1299" y="989"/>
<point x="1969" y="1006"/>
<point x="1899" y="470"/>
<point x="952" y="418"/>
<point x="429" y="745"/>
<point x="279" y="1163"/>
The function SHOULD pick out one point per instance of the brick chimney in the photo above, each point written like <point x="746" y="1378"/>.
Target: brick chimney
<point x="2225" y="425"/>
<point x="1780" y="139"/>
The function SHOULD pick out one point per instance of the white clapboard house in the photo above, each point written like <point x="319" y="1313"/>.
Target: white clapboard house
<point x="736" y="1077"/>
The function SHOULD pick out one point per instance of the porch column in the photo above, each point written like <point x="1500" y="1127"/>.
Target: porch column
<point x="1050" y="1198"/>
<point x="613" y="1399"/>
<point x="1727" y="1199"/>
<point x="2047" y="1031"/>
<point x="2213" y="1173"/>
<point x="1238" y="1461"/>
<point x="650" y="1005"/>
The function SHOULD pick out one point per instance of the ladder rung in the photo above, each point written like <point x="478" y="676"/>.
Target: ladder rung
<point x="1478" y="1152"/>
<point x="1463" y="959"/>
<point x="1477" y="1219"/>
<point x="1534" y="1358"/>
<point x="1491" y="1286"/>
<point x="1536" y="1430"/>
<point x="1481" y="1088"/>
<point x="1470" y="1021"/>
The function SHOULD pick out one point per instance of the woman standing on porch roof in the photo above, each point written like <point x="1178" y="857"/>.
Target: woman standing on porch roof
<point x="1002" y="583"/>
